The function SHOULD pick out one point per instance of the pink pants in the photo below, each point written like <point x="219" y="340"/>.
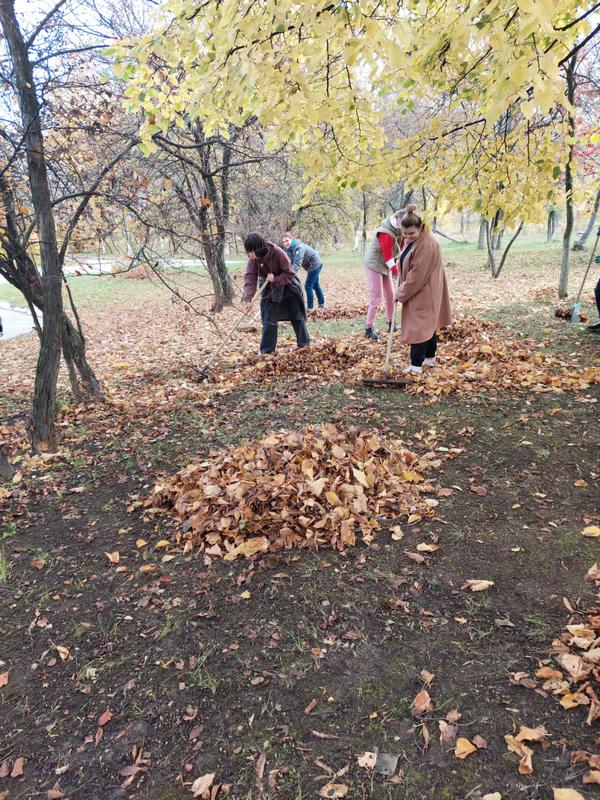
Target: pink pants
<point x="378" y="285"/>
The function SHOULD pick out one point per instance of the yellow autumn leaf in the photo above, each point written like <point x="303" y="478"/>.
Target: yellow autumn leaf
<point x="592" y="531"/>
<point x="162" y="543"/>
<point x="140" y="542"/>
<point x="423" y="547"/>
<point x="567" y="794"/>
<point x="464" y="748"/>
<point x="475" y="585"/>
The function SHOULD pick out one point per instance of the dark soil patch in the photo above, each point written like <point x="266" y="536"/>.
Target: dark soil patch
<point x="201" y="678"/>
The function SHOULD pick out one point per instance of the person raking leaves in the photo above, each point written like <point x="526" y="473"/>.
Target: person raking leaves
<point x="282" y="299"/>
<point x="422" y="290"/>
<point x="380" y="265"/>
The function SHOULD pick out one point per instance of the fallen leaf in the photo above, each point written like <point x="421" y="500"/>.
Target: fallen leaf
<point x="592" y="531"/>
<point x="593" y="776"/>
<point x="62" y="652"/>
<point x="426" y="676"/>
<point x="4" y="769"/>
<point x="593" y="573"/>
<point x="479" y="742"/>
<point x="311" y="706"/>
<point x="567" y="794"/>
<point x="260" y="769"/>
<point x="549" y="674"/>
<point x="105" y="717"/>
<point x="526" y="734"/>
<point x="257" y="544"/>
<point x="415" y="557"/>
<point x="521" y="749"/>
<point x="245" y="595"/>
<point x="447" y="732"/>
<point x="38" y="563"/>
<point x="367" y="760"/>
<point x="492" y="796"/>
<point x="161" y="544"/>
<point x="421" y="704"/>
<point x="424" y="547"/>
<point x="480" y="490"/>
<point x="140" y="542"/>
<point x="55" y="793"/>
<point x="17" y="770"/>
<point x="113" y="557"/>
<point x="477" y="585"/>
<point x="4" y="678"/>
<point x="334" y="790"/>
<point x="464" y="748"/>
<point x="202" y="784"/>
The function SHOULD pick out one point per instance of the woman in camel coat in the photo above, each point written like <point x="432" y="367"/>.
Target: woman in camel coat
<point x="423" y="291"/>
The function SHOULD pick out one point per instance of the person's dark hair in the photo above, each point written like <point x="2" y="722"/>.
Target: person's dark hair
<point x="410" y="218"/>
<point x="255" y="243"/>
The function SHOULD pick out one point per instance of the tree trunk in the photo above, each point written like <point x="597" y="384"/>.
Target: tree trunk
<point x="496" y="274"/>
<point x="483" y="224"/>
<point x="490" y="248"/>
<point x="551" y="226"/>
<point x="580" y="243"/>
<point x="563" y="284"/>
<point x="44" y="396"/>
<point x="363" y="244"/>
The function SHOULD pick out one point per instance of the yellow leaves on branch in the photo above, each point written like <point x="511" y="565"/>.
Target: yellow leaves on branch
<point x="320" y="487"/>
<point x="313" y="76"/>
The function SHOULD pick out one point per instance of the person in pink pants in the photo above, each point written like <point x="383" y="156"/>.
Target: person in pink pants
<point x="380" y="266"/>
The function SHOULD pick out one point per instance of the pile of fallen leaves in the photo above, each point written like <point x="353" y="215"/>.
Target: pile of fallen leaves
<point x="566" y="313"/>
<point x="475" y="357"/>
<point x="319" y="487"/>
<point x="479" y="357"/>
<point x="338" y="312"/>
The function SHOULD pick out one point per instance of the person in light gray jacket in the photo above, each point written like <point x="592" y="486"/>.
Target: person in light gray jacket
<point x="303" y="255"/>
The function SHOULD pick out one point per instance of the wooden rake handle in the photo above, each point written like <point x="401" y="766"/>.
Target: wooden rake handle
<point x="219" y="349"/>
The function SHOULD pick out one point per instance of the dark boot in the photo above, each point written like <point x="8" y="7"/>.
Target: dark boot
<point x="396" y="328"/>
<point x="370" y="334"/>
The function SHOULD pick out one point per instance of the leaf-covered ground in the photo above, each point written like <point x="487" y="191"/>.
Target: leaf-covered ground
<point x="129" y="668"/>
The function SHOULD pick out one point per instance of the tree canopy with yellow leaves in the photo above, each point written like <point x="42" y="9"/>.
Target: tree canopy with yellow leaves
<point x="485" y="77"/>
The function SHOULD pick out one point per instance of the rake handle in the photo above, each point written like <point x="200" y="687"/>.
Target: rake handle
<point x="588" y="268"/>
<point x="219" y="349"/>
<point x="388" y="350"/>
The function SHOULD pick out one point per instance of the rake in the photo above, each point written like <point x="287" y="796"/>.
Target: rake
<point x="577" y="307"/>
<point x="203" y="373"/>
<point x="383" y="380"/>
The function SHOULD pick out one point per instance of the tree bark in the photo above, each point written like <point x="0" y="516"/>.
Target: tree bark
<point x="363" y="243"/>
<point x="481" y="240"/>
<point x="496" y="274"/>
<point x="44" y="397"/>
<point x="551" y="227"/>
<point x="580" y="243"/>
<point x="563" y="284"/>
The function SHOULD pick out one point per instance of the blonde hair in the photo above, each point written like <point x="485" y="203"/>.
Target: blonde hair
<point x="410" y="219"/>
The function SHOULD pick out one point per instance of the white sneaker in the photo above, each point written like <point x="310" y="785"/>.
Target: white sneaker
<point x="429" y="362"/>
<point x="411" y="370"/>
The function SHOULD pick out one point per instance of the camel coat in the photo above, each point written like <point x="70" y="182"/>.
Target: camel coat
<point x="423" y="291"/>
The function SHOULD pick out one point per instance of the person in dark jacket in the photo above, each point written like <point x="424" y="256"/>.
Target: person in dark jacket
<point x="303" y="255"/>
<point x="282" y="299"/>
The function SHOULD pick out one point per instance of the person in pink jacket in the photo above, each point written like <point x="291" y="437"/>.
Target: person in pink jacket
<point x="423" y="291"/>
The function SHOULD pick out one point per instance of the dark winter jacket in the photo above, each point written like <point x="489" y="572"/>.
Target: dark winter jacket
<point x="283" y="299"/>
